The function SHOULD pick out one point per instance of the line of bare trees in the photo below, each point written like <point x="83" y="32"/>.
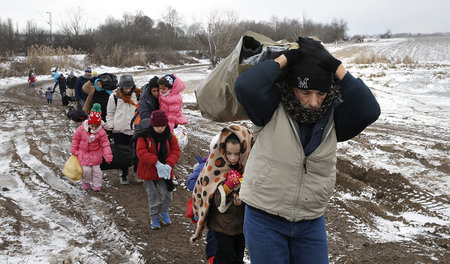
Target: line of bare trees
<point x="213" y="36"/>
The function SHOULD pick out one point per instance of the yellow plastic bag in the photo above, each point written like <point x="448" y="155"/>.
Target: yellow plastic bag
<point x="72" y="169"/>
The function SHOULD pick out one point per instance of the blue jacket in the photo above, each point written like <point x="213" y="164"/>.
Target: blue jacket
<point x="79" y="93"/>
<point x="192" y="179"/>
<point x="260" y="97"/>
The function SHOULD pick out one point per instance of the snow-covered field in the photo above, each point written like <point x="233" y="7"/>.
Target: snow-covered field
<point x="46" y="218"/>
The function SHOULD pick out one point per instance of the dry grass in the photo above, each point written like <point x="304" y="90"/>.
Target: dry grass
<point x="119" y="56"/>
<point x="370" y="58"/>
<point x="41" y="59"/>
<point x="377" y="75"/>
<point x="406" y="60"/>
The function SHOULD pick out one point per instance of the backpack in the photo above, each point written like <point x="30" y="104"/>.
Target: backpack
<point x="121" y="157"/>
<point x="77" y="115"/>
<point x="108" y="80"/>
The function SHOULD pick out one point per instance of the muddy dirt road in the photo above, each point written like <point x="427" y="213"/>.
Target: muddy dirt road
<point x="46" y="218"/>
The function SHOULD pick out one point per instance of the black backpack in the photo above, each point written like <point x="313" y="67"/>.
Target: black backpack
<point x="108" y="80"/>
<point x="77" y="115"/>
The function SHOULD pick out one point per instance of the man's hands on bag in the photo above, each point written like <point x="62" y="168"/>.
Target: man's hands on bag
<point x="310" y="48"/>
<point x="293" y="56"/>
<point x="313" y="49"/>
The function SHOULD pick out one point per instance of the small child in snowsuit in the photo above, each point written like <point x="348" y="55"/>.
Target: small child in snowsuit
<point x="49" y="95"/>
<point x="170" y="87"/>
<point x="158" y="152"/>
<point x="216" y="193"/>
<point x="31" y="79"/>
<point x="90" y="143"/>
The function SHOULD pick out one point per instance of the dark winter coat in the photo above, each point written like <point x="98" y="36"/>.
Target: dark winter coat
<point x="71" y="82"/>
<point x="260" y="97"/>
<point x="147" y="152"/>
<point x="282" y="178"/>
<point x="229" y="222"/>
<point x="79" y="93"/>
<point x="95" y="95"/>
<point x="147" y="104"/>
<point x="62" y="85"/>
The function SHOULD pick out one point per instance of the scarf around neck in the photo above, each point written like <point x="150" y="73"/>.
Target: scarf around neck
<point x="161" y="140"/>
<point x="299" y="113"/>
<point x="98" y="89"/>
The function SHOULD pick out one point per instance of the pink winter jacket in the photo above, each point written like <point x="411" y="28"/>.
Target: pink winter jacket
<point x="90" y="147"/>
<point x="172" y="103"/>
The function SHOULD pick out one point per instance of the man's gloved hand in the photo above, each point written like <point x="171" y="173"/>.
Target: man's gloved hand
<point x="161" y="168"/>
<point x="168" y="171"/>
<point x="232" y="179"/>
<point x="312" y="48"/>
<point x="293" y="56"/>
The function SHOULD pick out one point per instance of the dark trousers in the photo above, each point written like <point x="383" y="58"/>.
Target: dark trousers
<point x="211" y="244"/>
<point x="122" y="139"/>
<point x="230" y="249"/>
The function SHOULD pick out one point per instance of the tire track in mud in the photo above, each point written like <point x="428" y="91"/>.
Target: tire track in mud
<point x="354" y="219"/>
<point x="369" y="199"/>
<point x="39" y="148"/>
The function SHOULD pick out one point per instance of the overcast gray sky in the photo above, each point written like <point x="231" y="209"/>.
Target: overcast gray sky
<point x="363" y="17"/>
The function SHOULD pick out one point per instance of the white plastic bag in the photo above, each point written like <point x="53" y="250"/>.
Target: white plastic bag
<point x="180" y="132"/>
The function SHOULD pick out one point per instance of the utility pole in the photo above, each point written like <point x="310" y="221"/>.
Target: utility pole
<point x="50" y="23"/>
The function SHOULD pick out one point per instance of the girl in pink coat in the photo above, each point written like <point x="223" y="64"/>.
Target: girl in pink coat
<point x="170" y="99"/>
<point x="89" y="144"/>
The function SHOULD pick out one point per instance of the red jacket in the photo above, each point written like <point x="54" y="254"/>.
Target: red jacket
<point x="148" y="157"/>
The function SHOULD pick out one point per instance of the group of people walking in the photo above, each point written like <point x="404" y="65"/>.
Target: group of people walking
<point x="115" y="108"/>
<point x="268" y="190"/>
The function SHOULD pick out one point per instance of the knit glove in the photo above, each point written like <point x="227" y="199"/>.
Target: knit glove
<point x="312" y="48"/>
<point x="168" y="171"/>
<point x="161" y="168"/>
<point x="232" y="179"/>
<point x="109" y="158"/>
<point x="293" y="56"/>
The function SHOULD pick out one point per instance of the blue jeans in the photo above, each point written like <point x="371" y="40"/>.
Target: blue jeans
<point x="272" y="239"/>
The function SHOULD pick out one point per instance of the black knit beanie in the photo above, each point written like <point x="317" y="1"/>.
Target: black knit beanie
<point x="308" y="75"/>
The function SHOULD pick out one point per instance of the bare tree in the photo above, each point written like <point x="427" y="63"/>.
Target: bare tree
<point x="215" y="35"/>
<point x="34" y="35"/>
<point x="9" y="39"/>
<point x="75" y="23"/>
<point x="172" y="18"/>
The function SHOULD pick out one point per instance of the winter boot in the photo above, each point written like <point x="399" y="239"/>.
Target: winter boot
<point x="166" y="219"/>
<point x="155" y="223"/>
<point x="124" y="181"/>
<point x="137" y="177"/>
<point x="123" y="178"/>
<point x="97" y="189"/>
<point x="86" y="186"/>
